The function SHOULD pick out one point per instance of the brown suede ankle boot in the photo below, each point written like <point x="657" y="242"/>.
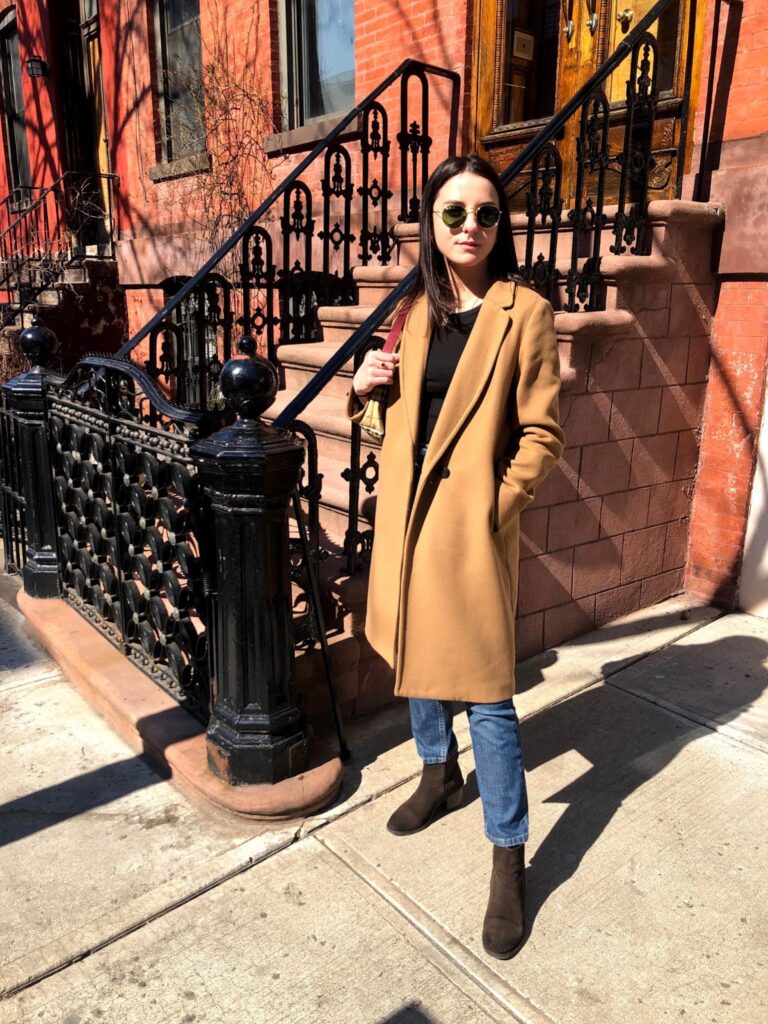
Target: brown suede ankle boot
<point x="504" y="925"/>
<point x="440" y="790"/>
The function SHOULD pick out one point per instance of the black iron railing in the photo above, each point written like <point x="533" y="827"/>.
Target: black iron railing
<point x="48" y="229"/>
<point x="13" y="519"/>
<point x="128" y="514"/>
<point x="17" y="200"/>
<point x="167" y="530"/>
<point x="296" y="252"/>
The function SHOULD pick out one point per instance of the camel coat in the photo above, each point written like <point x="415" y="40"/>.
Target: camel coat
<point x="444" y="568"/>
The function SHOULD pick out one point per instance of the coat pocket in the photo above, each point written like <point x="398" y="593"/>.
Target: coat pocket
<point x="510" y="502"/>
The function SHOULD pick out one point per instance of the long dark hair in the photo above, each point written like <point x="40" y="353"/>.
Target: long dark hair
<point x="432" y="275"/>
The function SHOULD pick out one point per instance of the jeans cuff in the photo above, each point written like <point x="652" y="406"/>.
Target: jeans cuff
<point x="514" y="841"/>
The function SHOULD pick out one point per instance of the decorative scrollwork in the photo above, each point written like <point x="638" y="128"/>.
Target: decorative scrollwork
<point x="128" y="542"/>
<point x="636" y="163"/>
<point x="375" y="234"/>
<point x="415" y="144"/>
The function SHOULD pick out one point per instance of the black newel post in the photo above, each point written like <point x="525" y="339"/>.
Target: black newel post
<point x="27" y="400"/>
<point x="248" y="472"/>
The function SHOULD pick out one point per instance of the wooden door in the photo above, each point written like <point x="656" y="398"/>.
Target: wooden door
<point x="531" y="56"/>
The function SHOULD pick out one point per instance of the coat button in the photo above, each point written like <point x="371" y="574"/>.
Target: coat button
<point x="445" y="472"/>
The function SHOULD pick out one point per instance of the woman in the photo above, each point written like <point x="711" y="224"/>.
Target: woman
<point x="471" y="430"/>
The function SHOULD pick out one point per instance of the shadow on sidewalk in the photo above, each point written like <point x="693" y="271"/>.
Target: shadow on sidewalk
<point x="410" y="1014"/>
<point x="46" y="807"/>
<point x="625" y="746"/>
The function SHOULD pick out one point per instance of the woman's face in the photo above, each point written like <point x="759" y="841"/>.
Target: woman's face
<point x="468" y="245"/>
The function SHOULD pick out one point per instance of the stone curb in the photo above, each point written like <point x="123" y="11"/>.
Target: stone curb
<point x="150" y="721"/>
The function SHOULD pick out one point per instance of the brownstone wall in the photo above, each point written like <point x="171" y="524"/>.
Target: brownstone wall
<point x="608" y="529"/>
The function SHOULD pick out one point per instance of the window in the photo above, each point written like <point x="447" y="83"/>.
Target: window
<point x="319" y="59"/>
<point x="531" y="33"/>
<point x="180" y="78"/>
<point x="17" y="155"/>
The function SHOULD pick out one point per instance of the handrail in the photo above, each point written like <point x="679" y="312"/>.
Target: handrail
<point x="15" y="195"/>
<point x="33" y="237"/>
<point x="189" y="286"/>
<point x="534" y="148"/>
<point x="48" y="190"/>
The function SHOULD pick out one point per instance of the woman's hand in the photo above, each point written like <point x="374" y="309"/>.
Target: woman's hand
<point x="376" y="368"/>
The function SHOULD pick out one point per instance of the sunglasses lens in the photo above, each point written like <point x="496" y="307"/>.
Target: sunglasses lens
<point x="488" y="215"/>
<point x="454" y="215"/>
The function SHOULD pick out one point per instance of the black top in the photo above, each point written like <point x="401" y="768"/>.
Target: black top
<point x="445" y="348"/>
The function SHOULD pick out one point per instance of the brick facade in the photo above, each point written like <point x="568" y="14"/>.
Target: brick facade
<point x="731" y="165"/>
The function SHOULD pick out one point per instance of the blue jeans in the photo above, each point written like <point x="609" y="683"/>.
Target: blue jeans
<point x="498" y="759"/>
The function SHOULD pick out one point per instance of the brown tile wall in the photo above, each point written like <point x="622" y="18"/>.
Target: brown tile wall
<point x="608" y="531"/>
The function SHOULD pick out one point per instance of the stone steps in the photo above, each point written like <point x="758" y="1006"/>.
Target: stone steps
<point x="75" y="278"/>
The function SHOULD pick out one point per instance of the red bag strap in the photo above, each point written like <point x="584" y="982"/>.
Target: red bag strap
<point x="396" y="330"/>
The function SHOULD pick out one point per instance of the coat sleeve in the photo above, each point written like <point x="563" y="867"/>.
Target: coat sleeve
<point x="356" y="405"/>
<point x="537" y="439"/>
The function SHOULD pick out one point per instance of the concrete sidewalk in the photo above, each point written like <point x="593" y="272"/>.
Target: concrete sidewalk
<point x="645" y="746"/>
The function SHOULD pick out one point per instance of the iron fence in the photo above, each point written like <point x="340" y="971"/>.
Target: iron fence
<point x="130" y="520"/>
<point x="13" y="522"/>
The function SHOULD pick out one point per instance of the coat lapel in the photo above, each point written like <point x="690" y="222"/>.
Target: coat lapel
<point x="474" y="369"/>
<point x="414" y="347"/>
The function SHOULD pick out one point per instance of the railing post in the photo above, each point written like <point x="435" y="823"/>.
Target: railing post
<point x="248" y="473"/>
<point x="26" y="398"/>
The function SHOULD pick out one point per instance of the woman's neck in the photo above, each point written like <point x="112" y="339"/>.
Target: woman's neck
<point x="469" y="285"/>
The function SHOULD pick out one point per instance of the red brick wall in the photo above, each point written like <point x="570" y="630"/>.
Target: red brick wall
<point x="730" y="164"/>
<point x="42" y="142"/>
<point x="732" y="416"/>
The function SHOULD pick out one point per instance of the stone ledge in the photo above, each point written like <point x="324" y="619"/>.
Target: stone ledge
<point x="151" y="722"/>
<point x="601" y="325"/>
<point x="698" y="215"/>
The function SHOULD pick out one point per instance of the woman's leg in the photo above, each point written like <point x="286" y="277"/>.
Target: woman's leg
<point x="501" y="781"/>
<point x="498" y="754"/>
<point x="441" y="785"/>
<point x="432" y="728"/>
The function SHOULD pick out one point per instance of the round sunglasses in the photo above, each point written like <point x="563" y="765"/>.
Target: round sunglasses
<point x="453" y="215"/>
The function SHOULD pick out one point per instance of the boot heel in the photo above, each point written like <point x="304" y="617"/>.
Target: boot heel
<point x="454" y="800"/>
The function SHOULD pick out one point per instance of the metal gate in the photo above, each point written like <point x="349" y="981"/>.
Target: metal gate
<point x="12" y="503"/>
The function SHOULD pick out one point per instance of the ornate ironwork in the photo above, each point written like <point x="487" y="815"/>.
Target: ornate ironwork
<point x="188" y="352"/>
<point x="584" y="282"/>
<point x="544" y="207"/>
<point x="45" y="230"/>
<point x="415" y="145"/>
<point x="637" y="166"/>
<point x="376" y="238"/>
<point x="297" y="305"/>
<point x="636" y="161"/>
<point x="335" y="286"/>
<point x="297" y="249"/>
<point x="129" y="521"/>
<point x="358" y="543"/>
<point x="13" y="514"/>
<point x="258" y="274"/>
